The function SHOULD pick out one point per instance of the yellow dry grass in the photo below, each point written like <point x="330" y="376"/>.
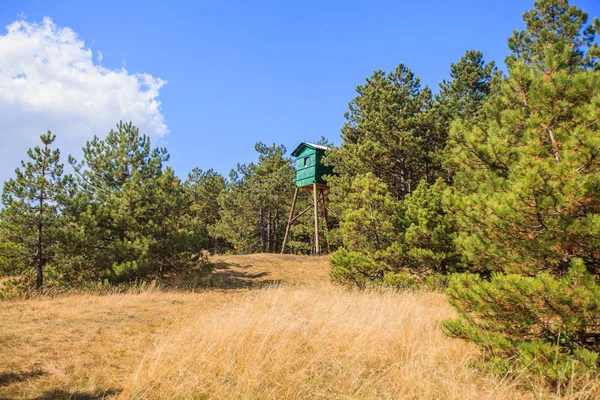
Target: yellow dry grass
<point x="305" y="343"/>
<point x="290" y="337"/>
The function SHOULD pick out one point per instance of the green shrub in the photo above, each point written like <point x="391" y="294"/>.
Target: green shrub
<point x="399" y="280"/>
<point x="358" y="269"/>
<point x="354" y="268"/>
<point x="549" y="326"/>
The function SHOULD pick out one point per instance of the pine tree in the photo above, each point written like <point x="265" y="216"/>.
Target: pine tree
<point x="203" y="189"/>
<point x="462" y="95"/>
<point x="526" y="181"/>
<point x="369" y="230"/>
<point x="397" y="132"/>
<point x="255" y="204"/>
<point x="556" y="37"/>
<point x="395" y="243"/>
<point x="527" y="198"/>
<point x="13" y="259"/>
<point x="461" y="99"/>
<point x="547" y="325"/>
<point x="429" y="232"/>
<point x="387" y="132"/>
<point x="32" y="202"/>
<point x="109" y="164"/>
<point x="162" y="219"/>
<point x="126" y="220"/>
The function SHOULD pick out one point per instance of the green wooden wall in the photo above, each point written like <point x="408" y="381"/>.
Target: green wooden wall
<point x="309" y="166"/>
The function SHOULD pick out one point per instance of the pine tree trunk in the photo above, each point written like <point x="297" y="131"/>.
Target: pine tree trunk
<point x="39" y="263"/>
<point x="275" y="229"/>
<point x="39" y="281"/>
<point x="262" y="231"/>
<point x="269" y="242"/>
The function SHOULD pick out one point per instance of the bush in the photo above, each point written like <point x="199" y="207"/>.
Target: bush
<point x="354" y="268"/>
<point x="399" y="280"/>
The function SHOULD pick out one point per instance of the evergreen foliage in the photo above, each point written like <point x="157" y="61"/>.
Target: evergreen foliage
<point x="470" y="84"/>
<point x="125" y="218"/>
<point x="202" y="189"/>
<point x="526" y="181"/>
<point x="548" y="325"/>
<point x="429" y="232"/>
<point x="368" y="229"/>
<point x="461" y="98"/>
<point x="387" y="132"/>
<point x="254" y="206"/>
<point x="394" y="243"/>
<point x="395" y="134"/>
<point x="556" y="36"/>
<point x="30" y="218"/>
<point x="526" y="198"/>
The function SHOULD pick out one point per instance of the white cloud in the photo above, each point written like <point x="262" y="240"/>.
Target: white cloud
<point x="48" y="81"/>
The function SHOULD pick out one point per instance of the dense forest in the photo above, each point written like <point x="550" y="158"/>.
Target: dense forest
<point x="488" y="188"/>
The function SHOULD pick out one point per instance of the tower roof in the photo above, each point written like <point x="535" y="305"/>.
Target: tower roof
<point x="308" y="144"/>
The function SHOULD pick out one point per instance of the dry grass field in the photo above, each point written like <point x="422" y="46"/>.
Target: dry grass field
<point x="272" y="328"/>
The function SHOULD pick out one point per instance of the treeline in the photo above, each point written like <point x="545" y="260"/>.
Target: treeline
<point x="123" y="216"/>
<point x="491" y="187"/>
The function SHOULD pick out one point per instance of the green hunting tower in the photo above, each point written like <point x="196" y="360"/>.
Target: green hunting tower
<point x="309" y="166"/>
<point x="310" y="171"/>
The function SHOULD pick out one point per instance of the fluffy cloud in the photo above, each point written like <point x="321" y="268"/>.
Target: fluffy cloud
<point x="49" y="81"/>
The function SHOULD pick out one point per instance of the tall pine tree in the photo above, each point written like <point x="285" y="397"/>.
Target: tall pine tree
<point x="32" y="202"/>
<point x="527" y="196"/>
<point x="387" y="132"/>
<point x="254" y="207"/>
<point x="527" y="178"/>
<point x="127" y="219"/>
<point x="397" y="132"/>
<point x="203" y="189"/>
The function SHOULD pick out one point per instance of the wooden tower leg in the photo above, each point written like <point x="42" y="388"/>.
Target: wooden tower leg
<point x="316" y="200"/>
<point x="287" y="229"/>
<point x="324" y="211"/>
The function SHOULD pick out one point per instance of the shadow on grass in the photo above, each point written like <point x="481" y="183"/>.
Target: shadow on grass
<point x="8" y="378"/>
<point x="59" y="394"/>
<point x="226" y="277"/>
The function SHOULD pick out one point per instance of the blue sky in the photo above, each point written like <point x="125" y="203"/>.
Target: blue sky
<point x="282" y="72"/>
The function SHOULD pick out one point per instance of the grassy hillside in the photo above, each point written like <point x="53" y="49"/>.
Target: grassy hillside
<point x="273" y="327"/>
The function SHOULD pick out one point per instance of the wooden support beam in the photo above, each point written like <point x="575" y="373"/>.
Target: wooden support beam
<point x="316" y="204"/>
<point x="287" y="229"/>
<point x="324" y="210"/>
<point x="318" y="192"/>
<point x="302" y="213"/>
